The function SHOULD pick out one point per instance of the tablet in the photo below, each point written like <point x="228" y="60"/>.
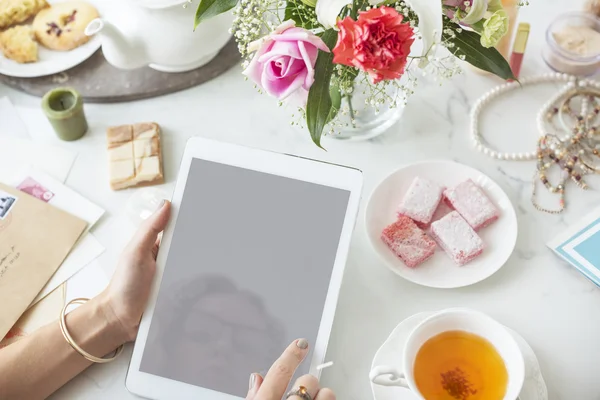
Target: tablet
<point x="252" y="258"/>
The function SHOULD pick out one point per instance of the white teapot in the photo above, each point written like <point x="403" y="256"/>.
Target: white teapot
<point x="159" y="34"/>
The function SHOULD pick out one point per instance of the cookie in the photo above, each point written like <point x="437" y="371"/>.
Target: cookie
<point x="17" y="44"/>
<point x="62" y="26"/>
<point x="16" y="11"/>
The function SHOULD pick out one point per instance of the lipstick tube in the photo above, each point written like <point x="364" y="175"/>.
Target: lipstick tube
<point x="516" y="58"/>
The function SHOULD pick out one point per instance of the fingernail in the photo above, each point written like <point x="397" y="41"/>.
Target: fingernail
<point x="302" y="343"/>
<point x="252" y="381"/>
<point x="161" y="204"/>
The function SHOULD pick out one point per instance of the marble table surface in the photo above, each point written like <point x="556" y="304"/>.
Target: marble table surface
<point x="549" y="303"/>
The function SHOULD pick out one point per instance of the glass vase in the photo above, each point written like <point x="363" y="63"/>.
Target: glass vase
<point x="361" y="117"/>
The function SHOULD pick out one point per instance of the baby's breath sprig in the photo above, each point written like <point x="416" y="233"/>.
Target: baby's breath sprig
<point x="343" y="78"/>
<point x="304" y="15"/>
<point x="254" y="19"/>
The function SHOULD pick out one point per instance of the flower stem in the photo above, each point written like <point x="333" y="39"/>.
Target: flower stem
<point x="351" y="110"/>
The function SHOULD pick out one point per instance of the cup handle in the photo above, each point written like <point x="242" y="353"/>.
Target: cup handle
<point x="388" y="376"/>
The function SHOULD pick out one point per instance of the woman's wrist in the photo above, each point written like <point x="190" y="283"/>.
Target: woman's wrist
<point x="114" y="326"/>
<point x="95" y="328"/>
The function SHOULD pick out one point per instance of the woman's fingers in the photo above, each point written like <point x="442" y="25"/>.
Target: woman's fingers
<point x="279" y="376"/>
<point x="308" y="383"/>
<point x="256" y="381"/>
<point x="325" y="394"/>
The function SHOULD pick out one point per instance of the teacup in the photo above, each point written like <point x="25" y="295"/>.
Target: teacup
<point x="401" y="373"/>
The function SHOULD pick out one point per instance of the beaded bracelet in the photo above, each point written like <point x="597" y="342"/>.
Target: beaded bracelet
<point x="75" y="346"/>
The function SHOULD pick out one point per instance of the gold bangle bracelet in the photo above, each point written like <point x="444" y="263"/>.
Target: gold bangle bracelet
<point x="75" y="346"/>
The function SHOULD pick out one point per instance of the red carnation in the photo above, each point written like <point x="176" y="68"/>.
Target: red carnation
<point x="377" y="43"/>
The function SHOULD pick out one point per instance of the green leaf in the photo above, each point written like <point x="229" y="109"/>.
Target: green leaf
<point x="211" y="8"/>
<point x="336" y="102"/>
<point x="293" y="12"/>
<point x="319" y="104"/>
<point x="468" y="44"/>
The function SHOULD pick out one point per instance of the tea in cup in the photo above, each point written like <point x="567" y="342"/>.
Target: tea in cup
<point x="457" y="354"/>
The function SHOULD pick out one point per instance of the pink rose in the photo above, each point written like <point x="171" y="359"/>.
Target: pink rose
<point x="284" y="63"/>
<point x="378" y="42"/>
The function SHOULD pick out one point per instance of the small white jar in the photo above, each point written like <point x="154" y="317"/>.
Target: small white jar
<point x="560" y="58"/>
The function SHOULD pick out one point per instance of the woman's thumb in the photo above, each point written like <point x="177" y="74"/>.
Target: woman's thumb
<point x="155" y="224"/>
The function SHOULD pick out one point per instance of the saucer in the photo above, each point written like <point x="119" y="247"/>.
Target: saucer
<point x="534" y="387"/>
<point x="440" y="271"/>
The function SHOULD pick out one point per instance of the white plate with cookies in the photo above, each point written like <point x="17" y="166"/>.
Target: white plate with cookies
<point x="440" y="271"/>
<point x="43" y="38"/>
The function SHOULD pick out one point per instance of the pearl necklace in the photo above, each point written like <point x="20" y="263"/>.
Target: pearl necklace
<point x="551" y="149"/>
<point x="478" y="141"/>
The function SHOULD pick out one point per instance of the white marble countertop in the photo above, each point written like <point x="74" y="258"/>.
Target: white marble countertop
<point x="549" y="303"/>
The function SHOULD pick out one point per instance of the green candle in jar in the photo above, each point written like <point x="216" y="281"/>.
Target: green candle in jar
<point x="64" y="109"/>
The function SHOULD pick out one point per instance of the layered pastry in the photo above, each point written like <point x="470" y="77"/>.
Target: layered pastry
<point x="135" y="155"/>
<point x="457" y="238"/>
<point x="16" y="11"/>
<point x="17" y="44"/>
<point x="408" y="241"/>
<point x="472" y="203"/>
<point x="420" y="201"/>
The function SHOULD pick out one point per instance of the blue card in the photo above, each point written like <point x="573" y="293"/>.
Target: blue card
<point x="580" y="246"/>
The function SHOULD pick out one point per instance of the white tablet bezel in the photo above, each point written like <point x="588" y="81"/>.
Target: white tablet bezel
<point x="159" y="388"/>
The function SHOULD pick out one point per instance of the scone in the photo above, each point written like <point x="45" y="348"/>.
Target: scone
<point x="16" y="11"/>
<point x="17" y="44"/>
<point x="62" y="26"/>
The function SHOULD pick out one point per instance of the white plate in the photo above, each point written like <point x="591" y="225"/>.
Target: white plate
<point x="534" y="386"/>
<point x="440" y="271"/>
<point x="50" y="61"/>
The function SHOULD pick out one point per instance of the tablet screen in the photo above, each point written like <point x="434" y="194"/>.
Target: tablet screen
<point x="247" y="273"/>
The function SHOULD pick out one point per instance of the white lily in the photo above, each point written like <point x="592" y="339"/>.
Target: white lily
<point x="430" y="25"/>
<point x="328" y="11"/>
<point x="476" y="13"/>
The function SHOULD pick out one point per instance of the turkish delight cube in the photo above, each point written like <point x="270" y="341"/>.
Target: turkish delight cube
<point x="473" y="204"/>
<point x="408" y="241"/>
<point x="421" y="200"/>
<point x="457" y="238"/>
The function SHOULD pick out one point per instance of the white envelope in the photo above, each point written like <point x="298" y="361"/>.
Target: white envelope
<point x="85" y="251"/>
<point x="18" y="153"/>
<point x="11" y="124"/>
<point x="88" y="283"/>
<point x="56" y="194"/>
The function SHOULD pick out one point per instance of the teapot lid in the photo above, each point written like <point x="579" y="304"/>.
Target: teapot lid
<point x="161" y="3"/>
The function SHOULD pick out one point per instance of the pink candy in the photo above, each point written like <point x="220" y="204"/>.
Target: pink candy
<point x="408" y="241"/>
<point x="472" y="204"/>
<point x="457" y="238"/>
<point x="421" y="201"/>
<point x="466" y="209"/>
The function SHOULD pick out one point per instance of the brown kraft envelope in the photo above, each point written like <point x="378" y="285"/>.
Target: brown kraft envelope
<point x="35" y="238"/>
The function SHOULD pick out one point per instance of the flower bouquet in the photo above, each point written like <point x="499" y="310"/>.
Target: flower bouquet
<point x="315" y="53"/>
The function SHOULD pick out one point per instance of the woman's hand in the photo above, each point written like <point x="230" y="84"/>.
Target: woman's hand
<point x="126" y="296"/>
<point x="274" y="385"/>
<point x="37" y="365"/>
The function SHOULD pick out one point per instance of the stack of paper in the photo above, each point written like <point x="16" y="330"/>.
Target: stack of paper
<point x="28" y="255"/>
<point x="49" y="190"/>
<point x="40" y="170"/>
